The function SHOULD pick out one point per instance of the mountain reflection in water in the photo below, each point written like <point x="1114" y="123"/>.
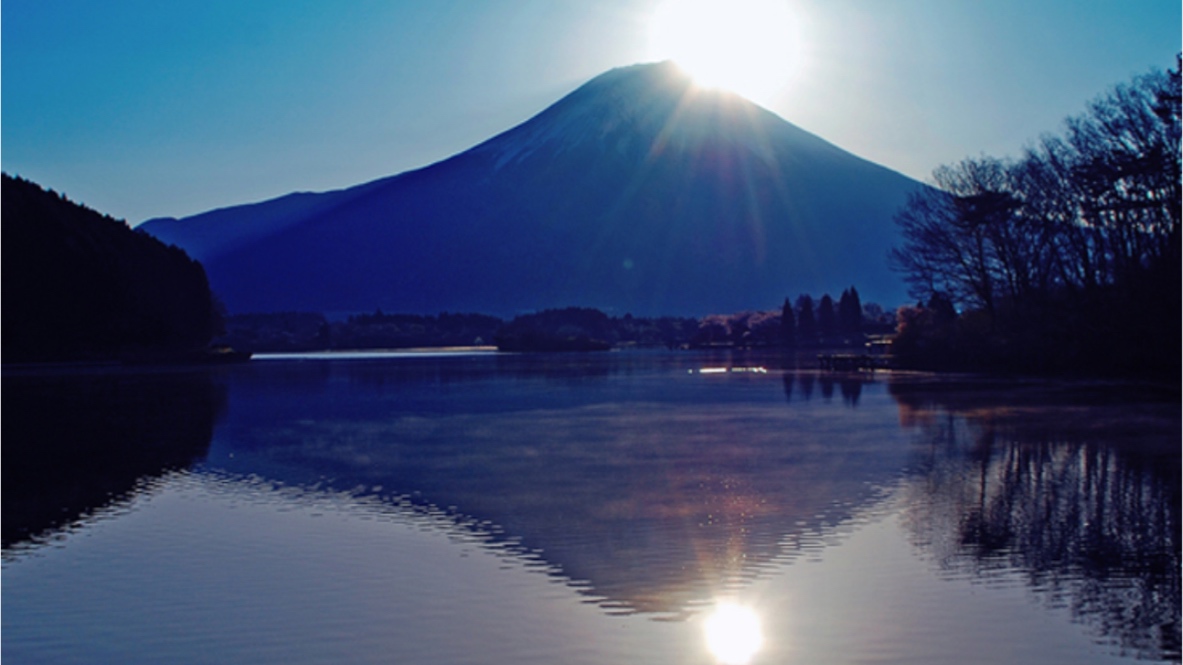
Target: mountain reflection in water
<point x="646" y="486"/>
<point x="649" y="489"/>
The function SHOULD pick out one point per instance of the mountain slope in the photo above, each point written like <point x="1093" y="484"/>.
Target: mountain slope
<point x="635" y="193"/>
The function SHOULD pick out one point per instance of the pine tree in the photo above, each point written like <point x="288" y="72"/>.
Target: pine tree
<point x="825" y="316"/>
<point x="806" y="325"/>
<point x="850" y="312"/>
<point x="788" y="325"/>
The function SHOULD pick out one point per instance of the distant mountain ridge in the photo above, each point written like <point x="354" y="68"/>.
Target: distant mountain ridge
<point x="637" y="192"/>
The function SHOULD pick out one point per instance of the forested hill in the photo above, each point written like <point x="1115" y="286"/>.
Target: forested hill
<point x="79" y="285"/>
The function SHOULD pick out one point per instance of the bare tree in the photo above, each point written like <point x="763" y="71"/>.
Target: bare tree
<point x="1082" y="223"/>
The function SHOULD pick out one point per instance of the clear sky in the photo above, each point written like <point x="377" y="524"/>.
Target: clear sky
<point x="143" y="108"/>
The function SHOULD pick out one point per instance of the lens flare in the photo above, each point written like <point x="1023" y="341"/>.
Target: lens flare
<point x="733" y="634"/>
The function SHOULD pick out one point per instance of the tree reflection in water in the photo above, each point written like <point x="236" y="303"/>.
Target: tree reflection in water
<point x="798" y="386"/>
<point x="76" y="441"/>
<point x="1077" y="493"/>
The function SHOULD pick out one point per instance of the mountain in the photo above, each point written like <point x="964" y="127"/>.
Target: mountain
<point x="638" y="192"/>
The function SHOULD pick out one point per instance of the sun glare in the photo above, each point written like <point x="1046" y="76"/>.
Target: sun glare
<point x="733" y="634"/>
<point x="746" y="46"/>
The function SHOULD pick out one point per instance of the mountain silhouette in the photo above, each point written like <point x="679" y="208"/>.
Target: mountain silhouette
<point x="636" y="193"/>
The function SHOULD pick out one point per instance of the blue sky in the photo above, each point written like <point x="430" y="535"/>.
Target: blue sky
<point x="146" y="108"/>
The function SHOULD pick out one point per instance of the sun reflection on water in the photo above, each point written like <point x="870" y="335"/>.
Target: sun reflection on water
<point x="733" y="633"/>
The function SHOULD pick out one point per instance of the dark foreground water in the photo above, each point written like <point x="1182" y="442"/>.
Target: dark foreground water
<point x="585" y="509"/>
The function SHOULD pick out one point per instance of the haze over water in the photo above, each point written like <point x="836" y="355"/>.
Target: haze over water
<point x="587" y="508"/>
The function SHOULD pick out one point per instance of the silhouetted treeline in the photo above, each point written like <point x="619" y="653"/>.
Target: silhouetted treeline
<point x="276" y="332"/>
<point x="800" y="323"/>
<point x="584" y="329"/>
<point x="571" y="328"/>
<point x="411" y="330"/>
<point x="78" y="285"/>
<point x="1066" y="259"/>
<point x="312" y="331"/>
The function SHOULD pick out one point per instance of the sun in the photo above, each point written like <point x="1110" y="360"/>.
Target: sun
<point x="746" y="46"/>
<point x="733" y="634"/>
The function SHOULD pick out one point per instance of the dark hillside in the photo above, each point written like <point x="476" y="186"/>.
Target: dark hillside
<point x="79" y="285"/>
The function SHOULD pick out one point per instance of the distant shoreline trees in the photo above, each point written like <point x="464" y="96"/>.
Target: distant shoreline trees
<point x="799" y="323"/>
<point x="1066" y="259"/>
<point x="571" y="328"/>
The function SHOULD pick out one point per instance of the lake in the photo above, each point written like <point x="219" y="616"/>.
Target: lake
<point x="636" y="507"/>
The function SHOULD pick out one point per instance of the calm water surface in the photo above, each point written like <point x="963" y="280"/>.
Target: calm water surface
<point x="598" y="508"/>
